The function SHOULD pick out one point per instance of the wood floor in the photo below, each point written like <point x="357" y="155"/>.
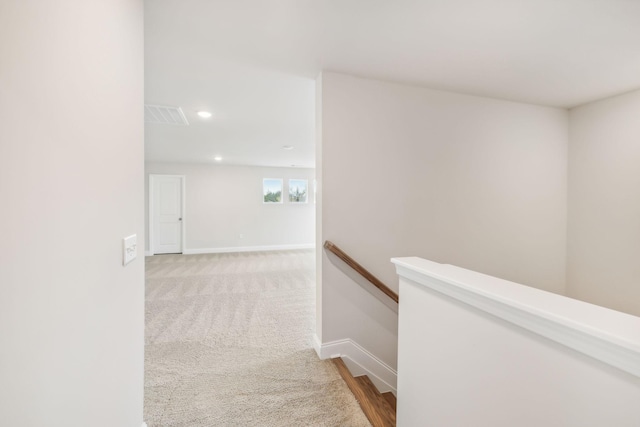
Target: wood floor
<point x="380" y="408"/>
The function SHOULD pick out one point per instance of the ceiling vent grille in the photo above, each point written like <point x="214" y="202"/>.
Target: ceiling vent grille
<point x="165" y="115"/>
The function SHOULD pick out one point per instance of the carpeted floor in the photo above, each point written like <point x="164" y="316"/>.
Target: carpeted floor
<point x="229" y="343"/>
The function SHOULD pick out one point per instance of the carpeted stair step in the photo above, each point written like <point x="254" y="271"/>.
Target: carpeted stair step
<point x="377" y="407"/>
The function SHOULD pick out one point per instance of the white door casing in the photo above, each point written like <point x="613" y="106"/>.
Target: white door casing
<point x="166" y="209"/>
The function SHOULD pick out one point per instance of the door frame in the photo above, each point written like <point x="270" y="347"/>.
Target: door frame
<point x="152" y="187"/>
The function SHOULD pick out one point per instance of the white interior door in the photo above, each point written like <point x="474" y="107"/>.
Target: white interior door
<point x="167" y="214"/>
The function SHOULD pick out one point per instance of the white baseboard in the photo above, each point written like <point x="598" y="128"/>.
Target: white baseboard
<point x="360" y="362"/>
<point x="247" y="249"/>
<point x="317" y="346"/>
<point x="144" y="424"/>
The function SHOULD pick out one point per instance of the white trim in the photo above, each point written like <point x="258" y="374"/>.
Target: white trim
<point x="247" y="249"/>
<point x="606" y="335"/>
<point x="152" y="177"/>
<point x="360" y="362"/>
<point x="143" y="424"/>
<point x="317" y="345"/>
<point x="150" y="219"/>
<point x="184" y="212"/>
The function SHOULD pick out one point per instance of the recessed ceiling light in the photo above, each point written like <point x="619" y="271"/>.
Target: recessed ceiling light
<point x="287" y="147"/>
<point x="204" y="114"/>
<point x="217" y="158"/>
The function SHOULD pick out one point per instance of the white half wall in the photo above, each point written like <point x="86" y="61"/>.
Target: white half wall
<point x="472" y="181"/>
<point x="224" y="202"/>
<point x="71" y="185"/>
<point x="479" y="351"/>
<point x="603" y="254"/>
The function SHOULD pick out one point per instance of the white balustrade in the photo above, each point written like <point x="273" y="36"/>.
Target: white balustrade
<point x="476" y="351"/>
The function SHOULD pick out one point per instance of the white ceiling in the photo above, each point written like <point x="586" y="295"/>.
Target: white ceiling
<point x="253" y="62"/>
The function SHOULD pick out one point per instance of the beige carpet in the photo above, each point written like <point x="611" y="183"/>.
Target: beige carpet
<point x="229" y="343"/>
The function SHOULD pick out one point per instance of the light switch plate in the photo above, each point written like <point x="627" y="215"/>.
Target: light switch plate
<point x="129" y="249"/>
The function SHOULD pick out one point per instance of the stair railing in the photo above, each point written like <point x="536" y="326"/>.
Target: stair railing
<point x="360" y="269"/>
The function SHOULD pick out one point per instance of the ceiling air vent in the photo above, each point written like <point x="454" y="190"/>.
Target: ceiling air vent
<point x="165" y="115"/>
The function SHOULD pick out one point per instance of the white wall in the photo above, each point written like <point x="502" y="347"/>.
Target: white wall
<point x="478" y="351"/>
<point x="318" y="234"/>
<point x="223" y="202"/>
<point x="476" y="182"/>
<point x="603" y="261"/>
<point x="71" y="185"/>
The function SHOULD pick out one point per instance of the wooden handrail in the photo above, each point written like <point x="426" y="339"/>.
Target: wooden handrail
<point x="360" y="269"/>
